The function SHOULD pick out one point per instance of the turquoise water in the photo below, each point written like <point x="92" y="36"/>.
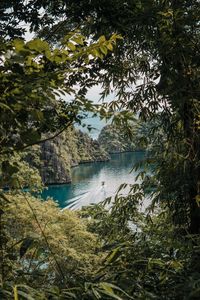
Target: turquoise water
<point x="87" y="187"/>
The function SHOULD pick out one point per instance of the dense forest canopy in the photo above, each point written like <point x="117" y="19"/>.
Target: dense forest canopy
<point x="148" y="53"/>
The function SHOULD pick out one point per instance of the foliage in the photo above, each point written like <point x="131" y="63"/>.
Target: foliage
<point x="119" y="138"/>
<point x="36" y="74"/>
<point x="154" y="68"/>
<point x="150" y="260"/>
<point x="47" y="247"/>
<point x="35" y="77"/>
<point x="113" y="140"/>
<point x="16" y="172"/>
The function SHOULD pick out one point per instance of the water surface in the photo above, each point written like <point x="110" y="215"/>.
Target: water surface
<point x="93" y="182"/>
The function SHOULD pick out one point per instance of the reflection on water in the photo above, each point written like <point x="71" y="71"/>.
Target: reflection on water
<point x="86" y="186"/>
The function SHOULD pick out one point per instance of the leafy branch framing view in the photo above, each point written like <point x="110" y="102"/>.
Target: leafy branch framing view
<point x="147" y="53"/>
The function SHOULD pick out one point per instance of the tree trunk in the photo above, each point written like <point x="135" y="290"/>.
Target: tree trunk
<point x="191" y="132"/>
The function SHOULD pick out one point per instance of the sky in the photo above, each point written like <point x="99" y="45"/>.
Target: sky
<point x="94" y="95"/>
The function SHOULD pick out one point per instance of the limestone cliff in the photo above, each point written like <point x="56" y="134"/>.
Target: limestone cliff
<point x="69" y="149"/>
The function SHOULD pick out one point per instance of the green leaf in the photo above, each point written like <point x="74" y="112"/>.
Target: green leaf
<point x="96" y="293"/>
<point x="18" y="44"/>
<point x="25" y="295"/>
<point x="110" y="46"/>
<point x="71" y="46"/>
<point x="5" y="107"/>
<point x="96" y="53"/>
<point x="114" y="254"/>
<point x="78" y="40"/>
<point x="2" y="196"/>
<point x="104" y="50"/>
<point x="107" y="289"/>
<point x="38" y="45"/>
<point x="107" y="286"/>
<point x="102" y="39"/>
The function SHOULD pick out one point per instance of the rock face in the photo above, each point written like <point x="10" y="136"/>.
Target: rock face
<point x="54" y="169"/>
<point x="69" y="149"/>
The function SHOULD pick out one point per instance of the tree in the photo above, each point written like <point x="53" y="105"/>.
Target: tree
<point x="160" y="46"/>
<point x="34" y="78"/>
<point x="62" y="250"/>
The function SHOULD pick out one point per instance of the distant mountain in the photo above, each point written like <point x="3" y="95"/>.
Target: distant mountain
<point x="115" y="139"/>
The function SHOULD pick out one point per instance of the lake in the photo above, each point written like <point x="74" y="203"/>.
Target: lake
<point x="93" y="182"/>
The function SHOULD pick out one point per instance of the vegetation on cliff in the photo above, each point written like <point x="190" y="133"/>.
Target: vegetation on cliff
<point x="136" y="136"/>
<point x="114" y="140"/>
